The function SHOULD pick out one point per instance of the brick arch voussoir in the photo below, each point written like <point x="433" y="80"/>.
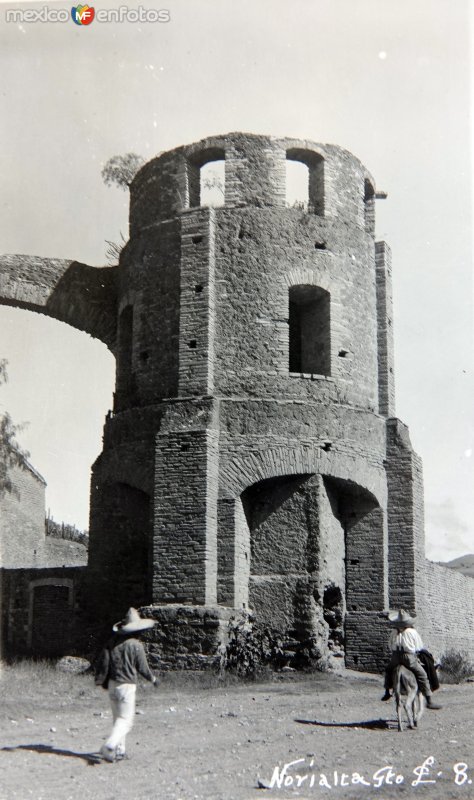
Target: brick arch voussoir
<point x="240" y="472"/>
<point x="307" y="277"/>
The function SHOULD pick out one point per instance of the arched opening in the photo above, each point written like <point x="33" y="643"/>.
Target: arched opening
<point x="212" y="189"/>
<point x="120" y="547"/>
<point x="297" y="184"/>
<point x="311" y="549"/>
<point x="206" y="178"/>
<point x="362" y="521"/>
<point x="306" y="180"/>
<point x="309" y="330"/>
<point x="61" y="385"/>
<point x="281" y="515"/>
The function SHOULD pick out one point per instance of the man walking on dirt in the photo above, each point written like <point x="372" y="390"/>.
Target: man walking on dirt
<point x="118" y="665"/>
<point x="405" y="642"/>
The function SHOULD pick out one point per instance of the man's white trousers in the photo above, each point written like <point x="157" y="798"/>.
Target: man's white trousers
<point x="122" y="701"/>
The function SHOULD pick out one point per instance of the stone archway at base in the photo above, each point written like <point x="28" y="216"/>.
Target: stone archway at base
<point x="311" y="548"/>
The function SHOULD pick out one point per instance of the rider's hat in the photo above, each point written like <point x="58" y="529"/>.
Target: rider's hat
<point x="401" y="619"/>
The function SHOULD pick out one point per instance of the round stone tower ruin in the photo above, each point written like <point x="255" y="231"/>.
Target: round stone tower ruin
<point x="252" y="460"/>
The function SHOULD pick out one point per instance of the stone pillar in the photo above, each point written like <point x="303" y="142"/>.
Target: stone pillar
<point x="383" y="277"/>
<point x="197" y="304"/>
<point x="255" y="171"/>
<point x="185" y="524"/>
<point x="233" y="554"/>
<point x="405" y="516"/>
<point x="366" y="547"/>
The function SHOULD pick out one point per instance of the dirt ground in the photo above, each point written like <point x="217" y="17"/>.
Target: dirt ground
<point x="217" y="742"/>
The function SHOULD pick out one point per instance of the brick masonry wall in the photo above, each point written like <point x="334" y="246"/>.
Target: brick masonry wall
<point x="366" y="641"/>
<point x="445" y="616"/>
<point x="22" y="520"/>
<point x="149" y="284"/>
<point x="185" y="539"/>
<point x="263" y="439"/>
<point x="197" y="304"/>
<point x="260" y="254"/>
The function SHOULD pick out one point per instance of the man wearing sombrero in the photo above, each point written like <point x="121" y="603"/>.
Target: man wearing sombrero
<point x="405" y="642"/>
<point x="118" y="665"/>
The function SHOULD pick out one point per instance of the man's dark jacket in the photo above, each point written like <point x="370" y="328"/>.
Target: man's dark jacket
<point x="120" y="660"/>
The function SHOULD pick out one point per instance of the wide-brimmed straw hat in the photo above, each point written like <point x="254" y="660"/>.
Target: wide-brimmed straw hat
<point x="400" y="619"/>
<point x="133" y="622"/>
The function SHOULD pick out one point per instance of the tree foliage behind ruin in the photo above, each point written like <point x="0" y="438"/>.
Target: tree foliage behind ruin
<point x="11" y="454"/>
<point x="121" y="170"/>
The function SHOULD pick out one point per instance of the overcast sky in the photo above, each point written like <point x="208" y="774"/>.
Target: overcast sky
<point x="386" y="79"/>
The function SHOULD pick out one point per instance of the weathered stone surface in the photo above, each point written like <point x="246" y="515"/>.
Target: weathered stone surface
<point x="82" y="296"/>
<point x="253" y="458"/>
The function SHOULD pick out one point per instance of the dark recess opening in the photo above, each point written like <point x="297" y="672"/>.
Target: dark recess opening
<point x="309" y="330"/>
<point x="125" y="378"/>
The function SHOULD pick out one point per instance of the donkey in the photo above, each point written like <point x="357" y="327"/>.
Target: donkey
<point x="408" y="696"/>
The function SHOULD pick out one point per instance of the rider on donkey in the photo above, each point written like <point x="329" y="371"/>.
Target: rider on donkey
<point x="405" y="643"/>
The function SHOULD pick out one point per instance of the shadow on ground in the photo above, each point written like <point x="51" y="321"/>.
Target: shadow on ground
<point x="370" y="724"/>
<point x="91" y="758"/>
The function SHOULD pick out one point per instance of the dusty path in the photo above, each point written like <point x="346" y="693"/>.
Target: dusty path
<point x="198" y="743"/>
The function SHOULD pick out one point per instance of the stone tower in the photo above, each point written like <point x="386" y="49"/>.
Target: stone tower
<point x="246" y="461"/>
<point x="252" y="459"/>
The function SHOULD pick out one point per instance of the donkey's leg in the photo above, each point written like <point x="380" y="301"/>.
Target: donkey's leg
<point x="399" y="713"/>
<point x="417" y="707"/>
<point x="409" y="708"/>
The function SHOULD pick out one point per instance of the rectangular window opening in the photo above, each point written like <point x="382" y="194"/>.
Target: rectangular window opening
<point x="309" y="330"/>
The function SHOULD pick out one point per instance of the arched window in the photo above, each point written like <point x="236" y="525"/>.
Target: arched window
<point x="212" y="180"/>
<point x="297" y="184"/>
<point x="206" y="178"/>
<point x="309" y="330"/>
<point x="307" y="181"/>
